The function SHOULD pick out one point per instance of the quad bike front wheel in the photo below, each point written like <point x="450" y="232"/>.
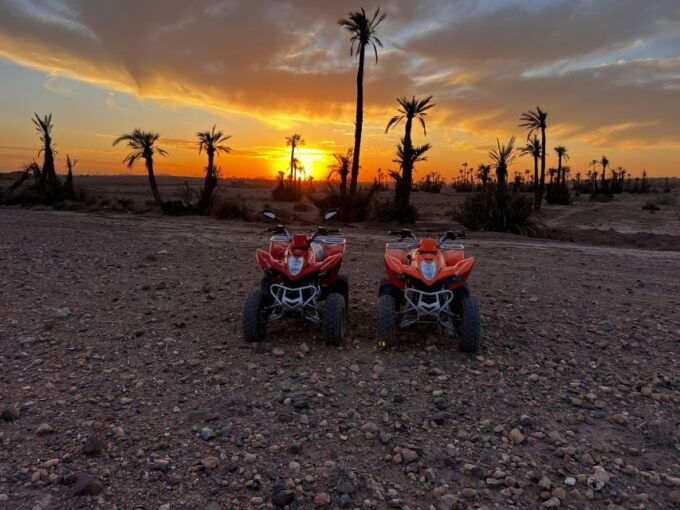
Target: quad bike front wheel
<point x="387" y="320"/>
<point x="334" y="319"/>
<point x="254" y="319"/>
<point x="470" y="325"/>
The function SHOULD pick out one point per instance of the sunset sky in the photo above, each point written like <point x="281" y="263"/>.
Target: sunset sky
<point x="607" y="71"/>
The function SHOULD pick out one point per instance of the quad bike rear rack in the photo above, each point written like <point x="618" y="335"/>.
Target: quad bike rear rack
<point x="296" y="300"/>
<point x="431" y="307"/>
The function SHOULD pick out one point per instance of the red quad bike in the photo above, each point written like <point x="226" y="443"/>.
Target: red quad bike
<point x="427" y="284"/>
<point x="302" y="278"/>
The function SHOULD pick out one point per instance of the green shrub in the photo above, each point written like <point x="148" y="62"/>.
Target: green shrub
<point x="497" y="210"/>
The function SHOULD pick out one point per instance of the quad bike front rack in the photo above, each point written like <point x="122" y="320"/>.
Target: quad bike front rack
<point x="432" y="307"/>
<point x="302" y="300"/>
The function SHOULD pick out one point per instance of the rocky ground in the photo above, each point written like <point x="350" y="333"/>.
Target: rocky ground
<point x="125" y="383"/>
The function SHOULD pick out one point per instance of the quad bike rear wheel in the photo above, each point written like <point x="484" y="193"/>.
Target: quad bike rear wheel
<point x="334" y="319"/>
<point x="254" y="319"/>
<point x="470" y="325"/>
<point x="387" y="320"/>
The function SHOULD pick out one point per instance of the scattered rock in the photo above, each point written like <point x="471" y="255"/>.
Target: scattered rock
<point x="9" y="414"/>
<point x="278" y="352"/>
<point x="44" y="428"/>
<point x="322" y="499"/>
<point x="282" y="497"/>
<point x="515" y="436"/>
<point x="87" y="485"/>
<point x="552" y="503"/>
<point x="93" y="446"/>
<point x="207" y="433"/>
<point x="621" y="419"/>
<point x="210" y="463"/>
<point x="62" y="313"/>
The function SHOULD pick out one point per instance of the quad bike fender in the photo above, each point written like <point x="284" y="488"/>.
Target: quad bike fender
<point x="267" y="262"/>
<point x="461" y="271"/>
<point x="330" y="262"/>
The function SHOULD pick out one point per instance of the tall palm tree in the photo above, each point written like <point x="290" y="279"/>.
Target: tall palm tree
<point x="143" y="146"/>
<point x="293" y="141"/>
<point x="536" y="121"/>
<point x="44" y="127"/>
<point x="408" y="110"/>
<point x="483" y="173"/>
<point x="562" y="154"/>
<point x="362" y="29"/>
<point x="604" y="162"/>
<point x="342" y="165"/>
<point x="502" y="157"/>
<point x="212" y="142"/>
<point x="533" y="148"/>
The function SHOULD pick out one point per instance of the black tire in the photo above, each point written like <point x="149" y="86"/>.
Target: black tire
<point x="334" y="319"/>
<point x="387" y="320"/>
<point x="254" y="319"/>
<point x="342" y="286"/>
<point x="470" y="325"/>
<point x="265" y="285"/>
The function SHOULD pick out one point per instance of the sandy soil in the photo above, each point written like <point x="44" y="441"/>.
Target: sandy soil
<point x="120" y="337"/>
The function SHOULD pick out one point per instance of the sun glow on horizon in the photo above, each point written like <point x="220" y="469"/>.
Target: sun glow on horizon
<point x="314" y="161"/>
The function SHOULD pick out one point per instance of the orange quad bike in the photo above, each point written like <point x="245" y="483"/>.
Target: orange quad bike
<point x="427" y="283"/>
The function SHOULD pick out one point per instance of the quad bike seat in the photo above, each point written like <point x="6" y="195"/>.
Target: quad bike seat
<point x="319" y="253"/>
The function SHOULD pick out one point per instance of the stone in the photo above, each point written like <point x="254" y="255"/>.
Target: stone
<point x="210" y="463"/>
<point x="354" y="368"/>
<point x="207" y="434"/>
<point x="515" y="436"/>
<point x="282" y="497"/>
<point x="166" y="506"/>
<point x="278" y="352"/>
<point x="469" y="493"/>
<point x="86" y="485"/>
<point x="545" y="483"/>
<point x="552" y="503"/>
<point x="570" y="481"/>
<point x="322" y="499"/>
<point x="44" y="428"/>
<point x="62" y="313"/>
<point x="93" y="446"/>
<point x="600" y="473"/>
<point x="9" y="414"/>
<point x="621" y="419"/>
<point x="249" y="458"/>
<point x="675" y="497"/>
<point x="408" y="456"/>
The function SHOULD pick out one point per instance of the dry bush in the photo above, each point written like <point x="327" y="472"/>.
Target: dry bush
<point x="358" y="207"/>
<point x="497" y="210"/>
<point x="387" y="211"/>
<point x="228" y="209"/>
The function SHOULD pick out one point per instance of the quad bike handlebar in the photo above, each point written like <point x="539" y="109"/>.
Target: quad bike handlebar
<point x="450" y="235"/>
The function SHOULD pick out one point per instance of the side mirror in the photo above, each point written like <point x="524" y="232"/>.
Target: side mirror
<point x="330" y="214"/>
<point x="269" y="214"/>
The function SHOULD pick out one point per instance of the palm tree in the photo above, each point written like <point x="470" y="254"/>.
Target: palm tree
<point x="561" y="155"/>
<point x="362" y="29"/>
<point x="409" y="109"/>
<point x="533" y="148"/>
<point x="342" y="165"/>
<point x="483" y="173"/>
<point x="70" y="164"/>
<point x="536" y="121"/>
<point x="407" y="157"/>
<point x="604" y="162"/>
<point x="143" y="146"/>
<point x="212" y="142"/>
<point x="502" y="157"/>
<point x="293" y="141"/>
<point x="44" y="128"/>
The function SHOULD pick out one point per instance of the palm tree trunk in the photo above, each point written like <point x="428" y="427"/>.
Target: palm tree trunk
<point x="536" y="196"/>
<point x="559" y="170"/>
<point x="152" y="182"/>
<point x="208" y="185"/>
<point x="358" y="123"/>
<point x="541" y="190"/>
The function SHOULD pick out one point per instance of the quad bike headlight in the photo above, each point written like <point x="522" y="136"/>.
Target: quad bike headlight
<point x="295" y="265"/>
<point x="429" y="269"/>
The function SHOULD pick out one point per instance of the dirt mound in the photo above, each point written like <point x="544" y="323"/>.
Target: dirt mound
<point x="611" y="237"/>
